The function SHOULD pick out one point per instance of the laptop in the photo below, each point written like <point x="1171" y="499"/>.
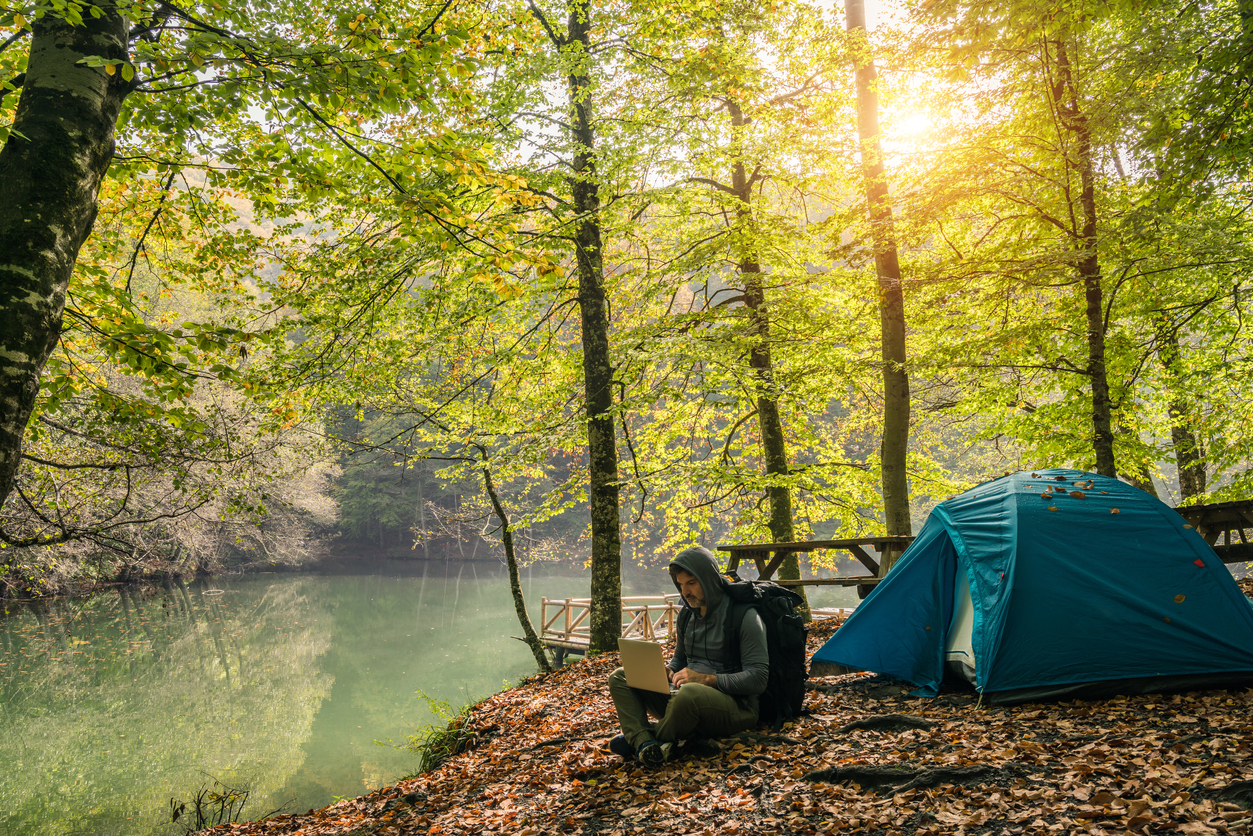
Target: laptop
<point x="644" y="667"/>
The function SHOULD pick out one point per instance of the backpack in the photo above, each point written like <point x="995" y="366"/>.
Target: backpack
<point x="785" y="643"/>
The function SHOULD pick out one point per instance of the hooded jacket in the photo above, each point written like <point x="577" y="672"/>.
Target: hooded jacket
<point x="704" y="636"/>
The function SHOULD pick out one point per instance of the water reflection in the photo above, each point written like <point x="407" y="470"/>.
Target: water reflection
<point x="112" y="704"/>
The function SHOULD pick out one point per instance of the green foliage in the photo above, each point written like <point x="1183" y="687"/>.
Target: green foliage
<point x="355" y="212"/>
<point x="439" y="741"/>
<point x="995" y="209"/>
<point x="209" y="807"/>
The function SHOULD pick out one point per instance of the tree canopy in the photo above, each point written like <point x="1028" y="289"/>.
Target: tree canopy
<point x="618" y="257"/>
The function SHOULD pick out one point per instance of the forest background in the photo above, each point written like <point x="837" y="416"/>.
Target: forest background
<point x="607" y="277"/>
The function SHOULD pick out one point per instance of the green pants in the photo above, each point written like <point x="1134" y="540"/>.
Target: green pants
<point x="695" y="711"/>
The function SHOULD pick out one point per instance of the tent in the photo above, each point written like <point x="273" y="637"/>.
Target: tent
<point x="1051" y="584"/>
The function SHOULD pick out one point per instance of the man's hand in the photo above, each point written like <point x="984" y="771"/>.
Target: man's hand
<point x="688" y="675"/>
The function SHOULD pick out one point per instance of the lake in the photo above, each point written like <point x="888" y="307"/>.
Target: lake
<point x="288" y="685"/>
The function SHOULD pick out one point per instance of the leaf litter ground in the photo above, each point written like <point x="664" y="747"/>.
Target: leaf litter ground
<point x="866" y="759"/>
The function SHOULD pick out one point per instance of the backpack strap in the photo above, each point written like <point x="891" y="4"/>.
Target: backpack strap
<point x="735" y="620"/>
<point x="680" y="625"/>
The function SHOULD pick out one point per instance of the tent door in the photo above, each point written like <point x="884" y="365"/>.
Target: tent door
<point x="959" y="654"/>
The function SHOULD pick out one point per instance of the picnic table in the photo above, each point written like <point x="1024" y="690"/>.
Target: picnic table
<point x="1226" y="520"/>
<point x="768" y="557"/>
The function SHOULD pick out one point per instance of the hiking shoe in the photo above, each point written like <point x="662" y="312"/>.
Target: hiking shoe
<point x="619" y="746"/>
<point x="652" y="754"/>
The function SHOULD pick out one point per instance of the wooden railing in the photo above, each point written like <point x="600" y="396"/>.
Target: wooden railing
<point x="565" y="627"/>
<point x="564" y="621"/>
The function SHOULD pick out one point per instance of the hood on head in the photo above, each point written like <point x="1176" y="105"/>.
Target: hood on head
<point x="699" y="561"/>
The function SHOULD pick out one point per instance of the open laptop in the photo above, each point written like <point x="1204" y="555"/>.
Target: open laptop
<point x="644" y="667"/>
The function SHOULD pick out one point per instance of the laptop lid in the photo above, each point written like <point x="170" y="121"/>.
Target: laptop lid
<point x="644" y="667"/>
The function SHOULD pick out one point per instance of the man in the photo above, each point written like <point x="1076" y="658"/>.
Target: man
<point x="717" y="688"/>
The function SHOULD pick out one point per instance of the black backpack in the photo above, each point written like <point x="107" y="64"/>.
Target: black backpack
<point x="785" y="642"/>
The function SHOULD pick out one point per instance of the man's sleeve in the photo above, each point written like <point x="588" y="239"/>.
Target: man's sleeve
<point x="754" y="670"/>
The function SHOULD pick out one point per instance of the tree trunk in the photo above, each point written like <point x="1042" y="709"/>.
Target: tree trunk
<point x="773" y="441"/>
<point x="606" y="591"/>
<point x="1075" y="120"/>
<point x="895" y="446"/>
<point x="51" y="168"/>
<point x="1189" y="456"/>
<point x="515" y="583"/>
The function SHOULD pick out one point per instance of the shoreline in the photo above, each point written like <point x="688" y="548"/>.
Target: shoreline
<point x="325" y="565"/>
<point x="866" y="759"/>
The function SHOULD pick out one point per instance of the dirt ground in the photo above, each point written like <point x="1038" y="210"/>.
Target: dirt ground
<point x="867" y="758"/>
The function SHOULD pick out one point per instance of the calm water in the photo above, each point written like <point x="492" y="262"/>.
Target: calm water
<point x="113" y="704"/>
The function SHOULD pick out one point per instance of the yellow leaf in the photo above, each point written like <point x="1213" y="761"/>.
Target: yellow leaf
<point x="110" y="69"/>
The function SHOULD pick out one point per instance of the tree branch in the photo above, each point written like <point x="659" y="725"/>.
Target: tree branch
<point x="714" y="183"/>
<point x="144" y="236"/>
<point x="558" y="40"/>
<point x="14" y="38"/>
<point x="339" y="135"/>
<point x="726" y="448"/>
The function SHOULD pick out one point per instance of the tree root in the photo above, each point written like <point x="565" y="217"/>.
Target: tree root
<point x="900" y="778"/>
<point x="887" y="723"/>
<point x="1240" y="792"/>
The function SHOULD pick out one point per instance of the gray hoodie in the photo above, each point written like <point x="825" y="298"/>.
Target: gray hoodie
<point x="703" y="638"/>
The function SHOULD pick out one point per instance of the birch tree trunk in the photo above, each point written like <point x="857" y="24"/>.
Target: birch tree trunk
<point x="51" y="168"/>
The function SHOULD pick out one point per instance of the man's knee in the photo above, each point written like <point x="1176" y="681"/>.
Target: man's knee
<point x="689" y="699"/>
<point x="618" y="687"/>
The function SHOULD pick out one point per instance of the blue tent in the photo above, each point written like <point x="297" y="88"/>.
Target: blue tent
<point x="1049" y="584"/>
